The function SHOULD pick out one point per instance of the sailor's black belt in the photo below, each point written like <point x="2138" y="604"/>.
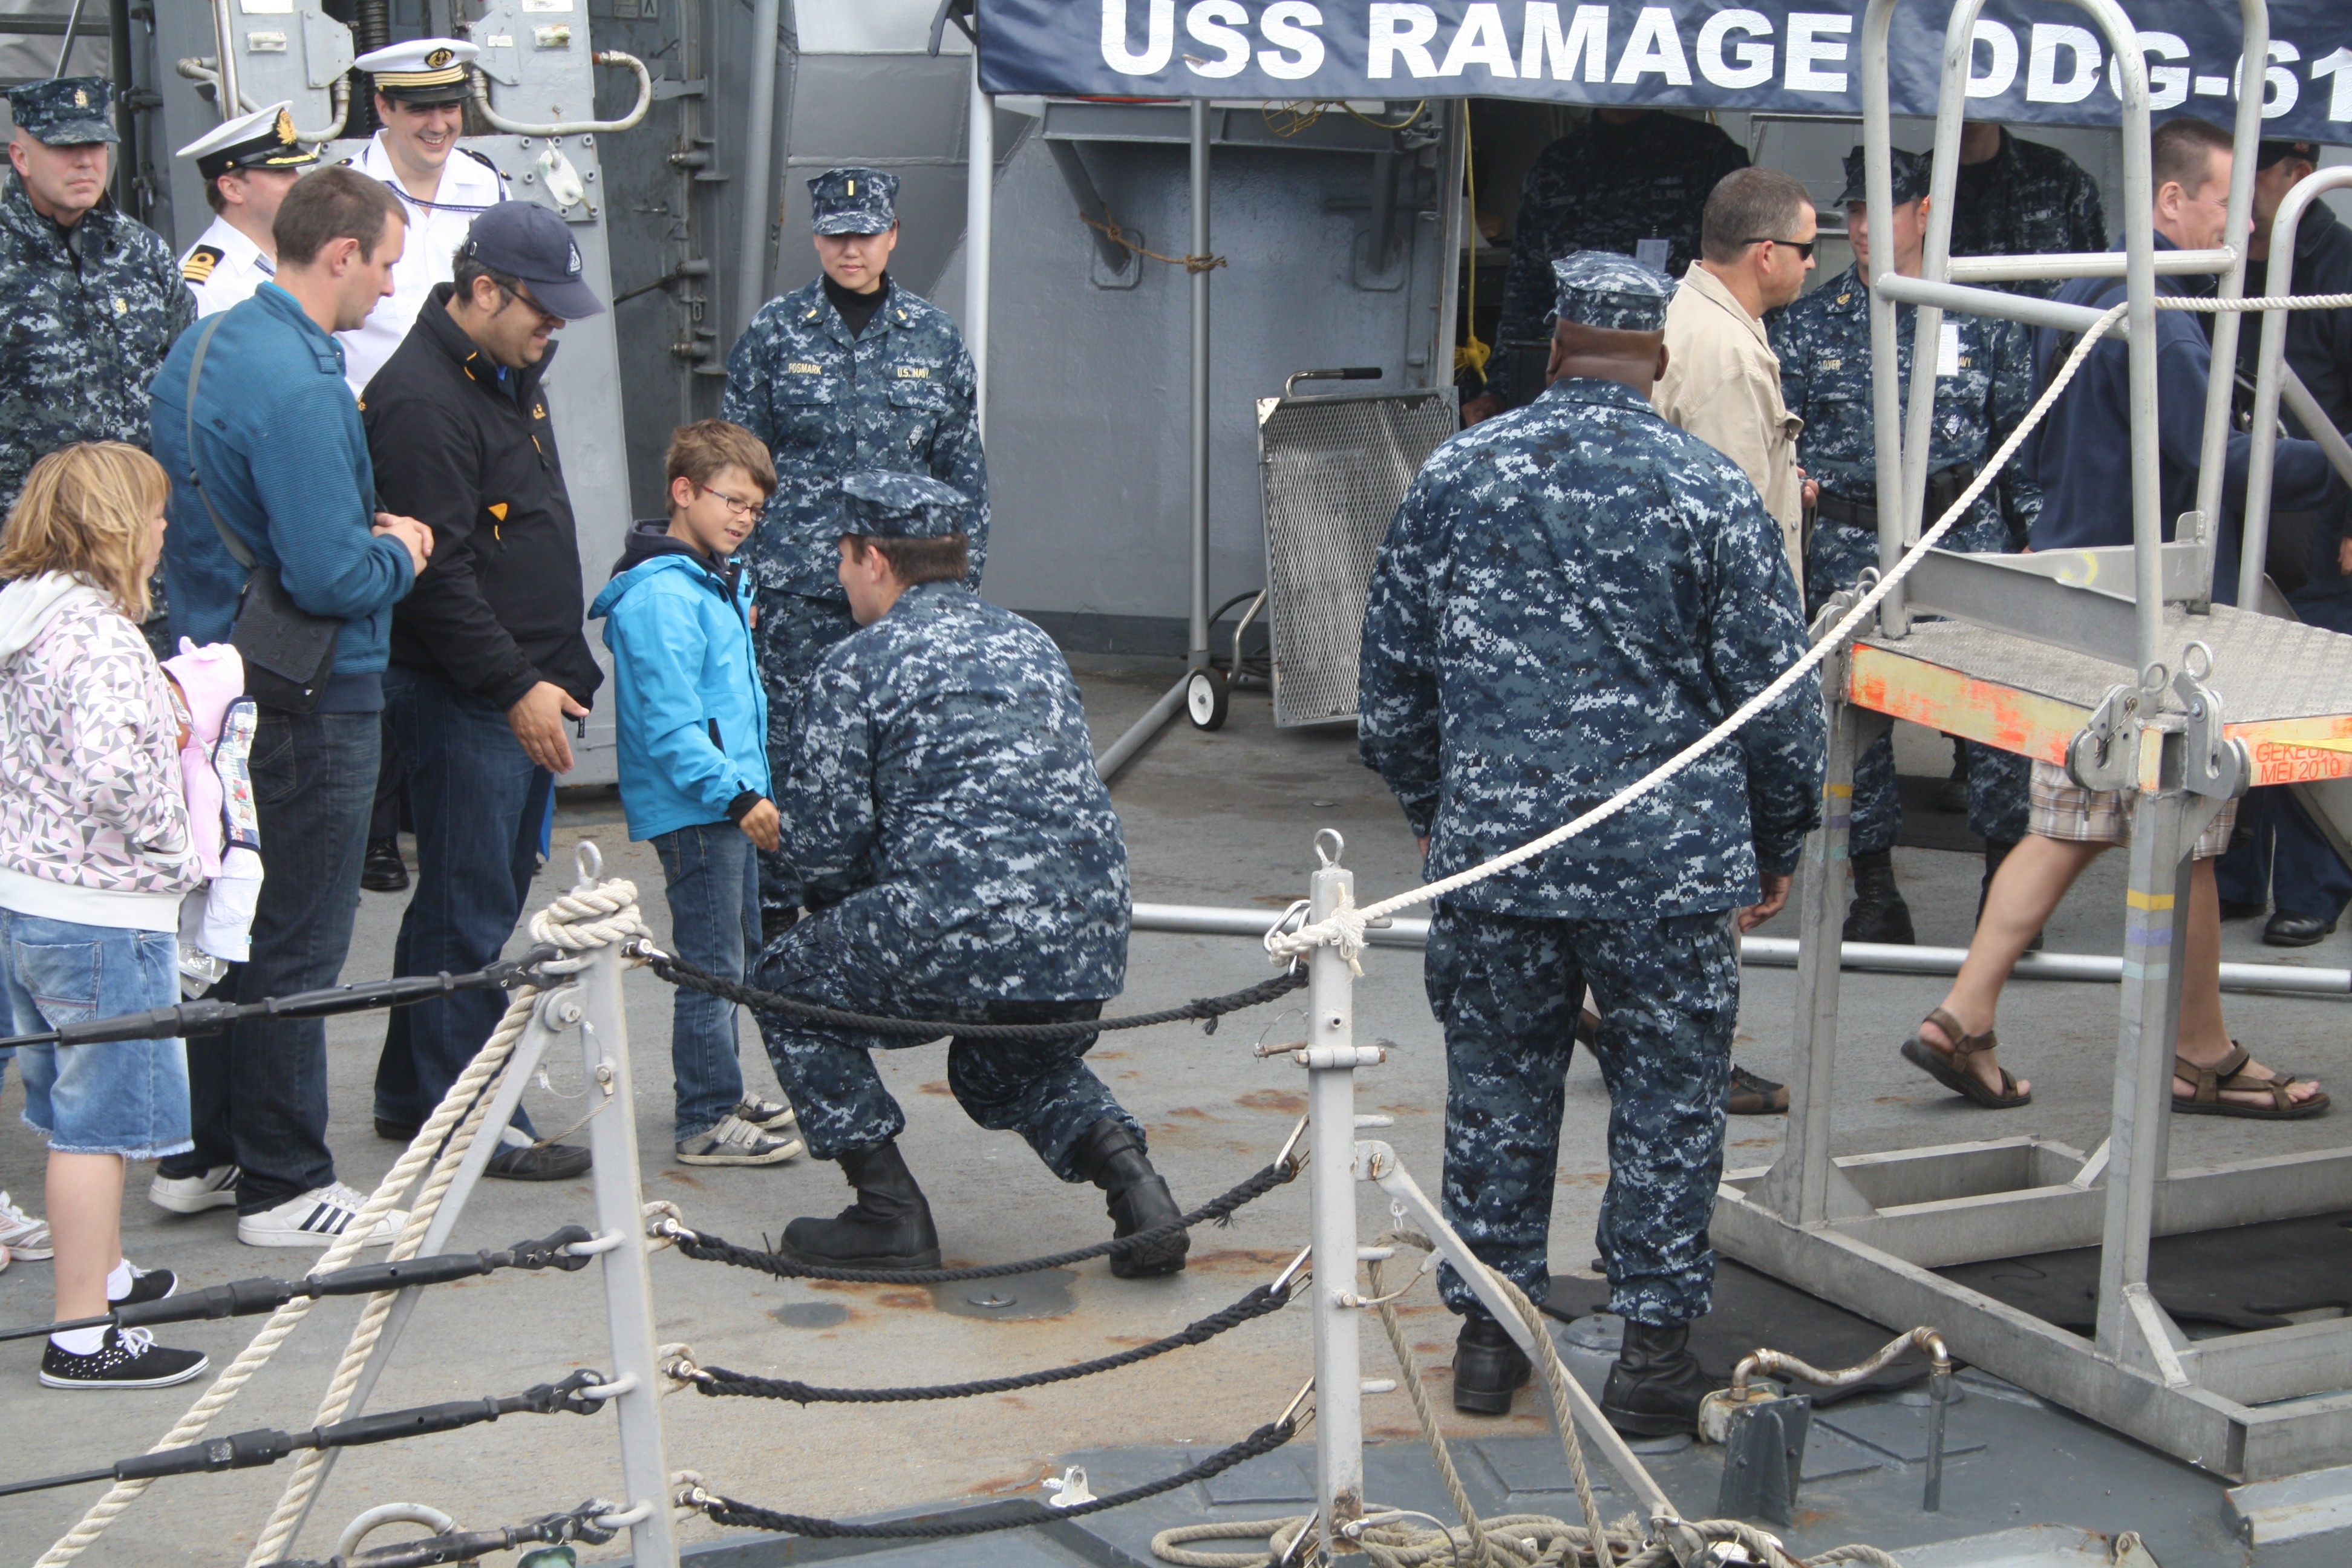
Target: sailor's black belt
<point x="1944" y="487"/>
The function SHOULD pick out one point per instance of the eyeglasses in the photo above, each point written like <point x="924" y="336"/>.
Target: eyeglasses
<point x="1803" y="247"/>
<point x="751" y="510"/>
<point x="547" y="317"/>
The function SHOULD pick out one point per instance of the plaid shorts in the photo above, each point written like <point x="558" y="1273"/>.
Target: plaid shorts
<point x="2064" y="810"/>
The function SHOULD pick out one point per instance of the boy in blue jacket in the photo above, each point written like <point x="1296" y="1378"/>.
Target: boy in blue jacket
<point x="693" y="728"/>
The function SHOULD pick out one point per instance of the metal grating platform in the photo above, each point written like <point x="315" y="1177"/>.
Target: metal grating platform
<point x="1333" y="470"/>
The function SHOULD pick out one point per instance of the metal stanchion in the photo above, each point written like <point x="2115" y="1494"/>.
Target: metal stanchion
<point x="1330" y="1056"/>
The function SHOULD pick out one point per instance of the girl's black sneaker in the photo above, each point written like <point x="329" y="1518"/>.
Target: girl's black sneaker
<point x="130" y="1358"/>
<point x="146" y="1285"/>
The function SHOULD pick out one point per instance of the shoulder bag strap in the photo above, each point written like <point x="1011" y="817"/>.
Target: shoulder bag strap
<point x="236" y="546"/>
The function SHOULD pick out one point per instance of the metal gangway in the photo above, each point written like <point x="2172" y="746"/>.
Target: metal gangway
<point x="2116" y="663"/>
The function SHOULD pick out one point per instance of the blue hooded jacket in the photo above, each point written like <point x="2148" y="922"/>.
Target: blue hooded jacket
<point x="692" y="722"/>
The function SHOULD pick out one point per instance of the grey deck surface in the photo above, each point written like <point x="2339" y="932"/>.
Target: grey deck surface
<point x="2263" y="668"/>
<point x="1225" y="819"/>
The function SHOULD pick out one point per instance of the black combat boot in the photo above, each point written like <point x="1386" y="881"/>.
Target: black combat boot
<point x="1995" y="853"/>
<point x="1878" y="912"/>
<point x="1654" y="1389"/>
<point x="889" y="1226"/>
<point x="1487" y="1367"/>
<point x="1110" y="1155"/>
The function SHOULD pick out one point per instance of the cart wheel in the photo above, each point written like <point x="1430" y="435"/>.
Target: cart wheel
<point x="1204" y="699"/>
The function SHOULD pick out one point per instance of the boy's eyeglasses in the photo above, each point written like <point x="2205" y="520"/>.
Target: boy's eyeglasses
<point x="751" y="510"/>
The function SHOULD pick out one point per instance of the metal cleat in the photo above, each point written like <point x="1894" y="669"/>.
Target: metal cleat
<point x="1069" y="1488"/>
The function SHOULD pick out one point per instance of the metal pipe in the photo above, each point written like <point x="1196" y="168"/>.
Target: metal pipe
<point x="2271" y="368"/>
<point x="1331" y="1200"/>
<point x="1196" y="644"/>
<point x="65" y="49"/>
<point x="1878" y="189"/>
<point x="1780" y="952"/>
<point x="2315" y="422"/>
<point x="979" y="231"/>
<point x="572" y="127"/>
<point x="224" y="41"/>
<point x="2029" y="309"/>
<point x="2085" y="264"/>
<point x="1115" y="755"/>
<point x="2253" y="62"/>
<point x="759" y="119"/>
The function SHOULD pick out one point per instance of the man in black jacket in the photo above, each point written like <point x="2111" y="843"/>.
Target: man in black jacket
<point x="490" y="657"/>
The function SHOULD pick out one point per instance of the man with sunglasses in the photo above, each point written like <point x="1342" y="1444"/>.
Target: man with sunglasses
<point x="1722" y="381"/>
<point x="489" y="657"/>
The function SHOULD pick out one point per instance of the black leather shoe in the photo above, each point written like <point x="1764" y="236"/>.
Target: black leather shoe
<point x="2286" y="930"/>
<point x="556" y="1163"/>
<point x="1487" y="1367"/>
<point x="2231" y="910"/>
<point x="1654" y="1389"/>
<point x="383" y="871"/>
<point x="889" y="1226"/>
<point x="1878" y="912"/>
<point x="1110" y="1155"/>
<point x="1752" y="1094"/>
<point x="393" y="1132"/>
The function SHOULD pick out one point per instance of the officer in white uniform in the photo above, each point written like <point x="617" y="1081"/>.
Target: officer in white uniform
<point x="249" y="165"/>
<point x="420" y="93"/>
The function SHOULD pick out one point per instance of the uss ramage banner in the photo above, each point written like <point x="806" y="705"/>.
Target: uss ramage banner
<point x="2030" y="61"/>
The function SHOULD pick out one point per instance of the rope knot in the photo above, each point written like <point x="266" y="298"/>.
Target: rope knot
<point x="1344" y="928"/>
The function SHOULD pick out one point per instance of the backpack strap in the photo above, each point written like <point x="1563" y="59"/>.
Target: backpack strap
<point x="236" y="546"/>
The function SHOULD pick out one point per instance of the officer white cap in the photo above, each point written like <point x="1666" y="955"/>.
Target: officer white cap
<point x="422" y="72"/>
<point x="262" y="139"/>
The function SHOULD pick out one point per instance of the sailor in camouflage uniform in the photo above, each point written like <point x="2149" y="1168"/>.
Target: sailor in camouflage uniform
<point x="849" y="374"/>
<point x="1984" y="385"/>
<point x="1632" y="181"/>
<point x="94" y="297"/>
<point x="1583" y="535"/>
<point x="961" y="859"/>
<point x="2022" y="198"/>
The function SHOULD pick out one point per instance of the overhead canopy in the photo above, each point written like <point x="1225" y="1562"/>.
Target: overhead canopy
<point x="2034" y="62"/>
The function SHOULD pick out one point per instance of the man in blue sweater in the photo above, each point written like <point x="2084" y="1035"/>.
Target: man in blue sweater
<point x="280" y="456"/>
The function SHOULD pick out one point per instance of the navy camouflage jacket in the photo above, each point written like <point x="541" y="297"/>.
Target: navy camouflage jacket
<point x="899" y="398"/>
<point x="2028" y="199"/>
<point x="942" y="805"/>
<point x="86" y="327"/>
<point x="1570" y="594"/>
<point x="1824" y="343"/>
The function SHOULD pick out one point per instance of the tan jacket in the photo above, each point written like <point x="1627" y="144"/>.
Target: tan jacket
<point x="1722" y="385"/>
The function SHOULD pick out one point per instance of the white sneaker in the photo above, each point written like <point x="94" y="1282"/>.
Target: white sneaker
<point x="316" y="1219"/>
<point x="24" y="1236"/>
<point x="215" y="1189"/>
<point x="735" y="1141"/>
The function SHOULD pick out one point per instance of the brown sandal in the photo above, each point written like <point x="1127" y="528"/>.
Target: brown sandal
<point x="1952" y="1070"/>
<point x="2229" y="1074"/>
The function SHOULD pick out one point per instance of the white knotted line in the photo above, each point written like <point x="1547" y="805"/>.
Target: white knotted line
<point x="1344" y="927"/>
<point x="576" y="922"/>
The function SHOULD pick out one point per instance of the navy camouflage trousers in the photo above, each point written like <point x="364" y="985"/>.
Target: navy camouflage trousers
<point x="793" y="632"/>
<point x="1997" y="779"/>
<point x="1506" y="989"/>
<point x="1043" y="1090"/>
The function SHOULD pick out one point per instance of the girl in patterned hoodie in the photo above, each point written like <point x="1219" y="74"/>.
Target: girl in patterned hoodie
<point x="94" y="856"/>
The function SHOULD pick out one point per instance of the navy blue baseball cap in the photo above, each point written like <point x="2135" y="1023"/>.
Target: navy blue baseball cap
<point x="528" y="241"/>
<point x="901" y="506"/>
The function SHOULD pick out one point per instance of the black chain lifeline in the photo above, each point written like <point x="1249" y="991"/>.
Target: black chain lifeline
<point x="720" y="1383"/>
<point x="746" y="1516"/>
<point x="1204" y="1010"/>
<point x="709" y="1249"/>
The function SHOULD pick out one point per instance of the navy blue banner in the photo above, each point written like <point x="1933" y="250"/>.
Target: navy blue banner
<point x="2033" y="61"/>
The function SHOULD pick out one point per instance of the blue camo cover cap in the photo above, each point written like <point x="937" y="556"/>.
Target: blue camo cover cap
<point x="1616" y="293"/>
<point x="71" y="111"/>
<point x="853" y="201"/>
<point x="1909" y="172"/>
<point x="901" y="506"/>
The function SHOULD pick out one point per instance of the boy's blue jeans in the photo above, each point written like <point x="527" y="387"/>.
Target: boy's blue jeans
<point x="712" y="873"/>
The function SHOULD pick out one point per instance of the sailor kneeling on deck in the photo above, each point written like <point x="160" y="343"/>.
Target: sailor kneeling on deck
<point x="961" y="859"/>
<point x="1570" y="594"/>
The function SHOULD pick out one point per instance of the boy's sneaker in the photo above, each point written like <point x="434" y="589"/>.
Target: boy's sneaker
<point x="25" y="1237"/>
<point x="146" y="1285"/>
<point x="214" y="1189"/>
<point x="130" y="1358"/>
<point x="735" y="1141"/>
<point x="316" y="1219"/>
<point x="767" y="1115"/>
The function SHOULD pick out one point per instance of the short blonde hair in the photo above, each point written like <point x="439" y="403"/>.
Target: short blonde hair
<point x="85" y="511"/>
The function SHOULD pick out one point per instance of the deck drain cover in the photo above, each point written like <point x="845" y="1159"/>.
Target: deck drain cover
<point x="1019" y="1299"/>
<point x="812" y="1315"/>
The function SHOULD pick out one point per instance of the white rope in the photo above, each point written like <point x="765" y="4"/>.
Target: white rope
<point x="1344" y="928"/>
<point x="577" y="922"/>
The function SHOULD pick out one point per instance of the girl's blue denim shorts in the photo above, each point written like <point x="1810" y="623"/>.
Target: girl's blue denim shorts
<point x="124" y="1096"/>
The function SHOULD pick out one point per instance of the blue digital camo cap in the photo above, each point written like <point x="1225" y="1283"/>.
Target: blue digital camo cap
<point x="853" y="201"/>
<point x="1910" y="172"/>
<point x="1616" y="293"/>
<point x="901" y="506"/>
<point x="71" y="111"/>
